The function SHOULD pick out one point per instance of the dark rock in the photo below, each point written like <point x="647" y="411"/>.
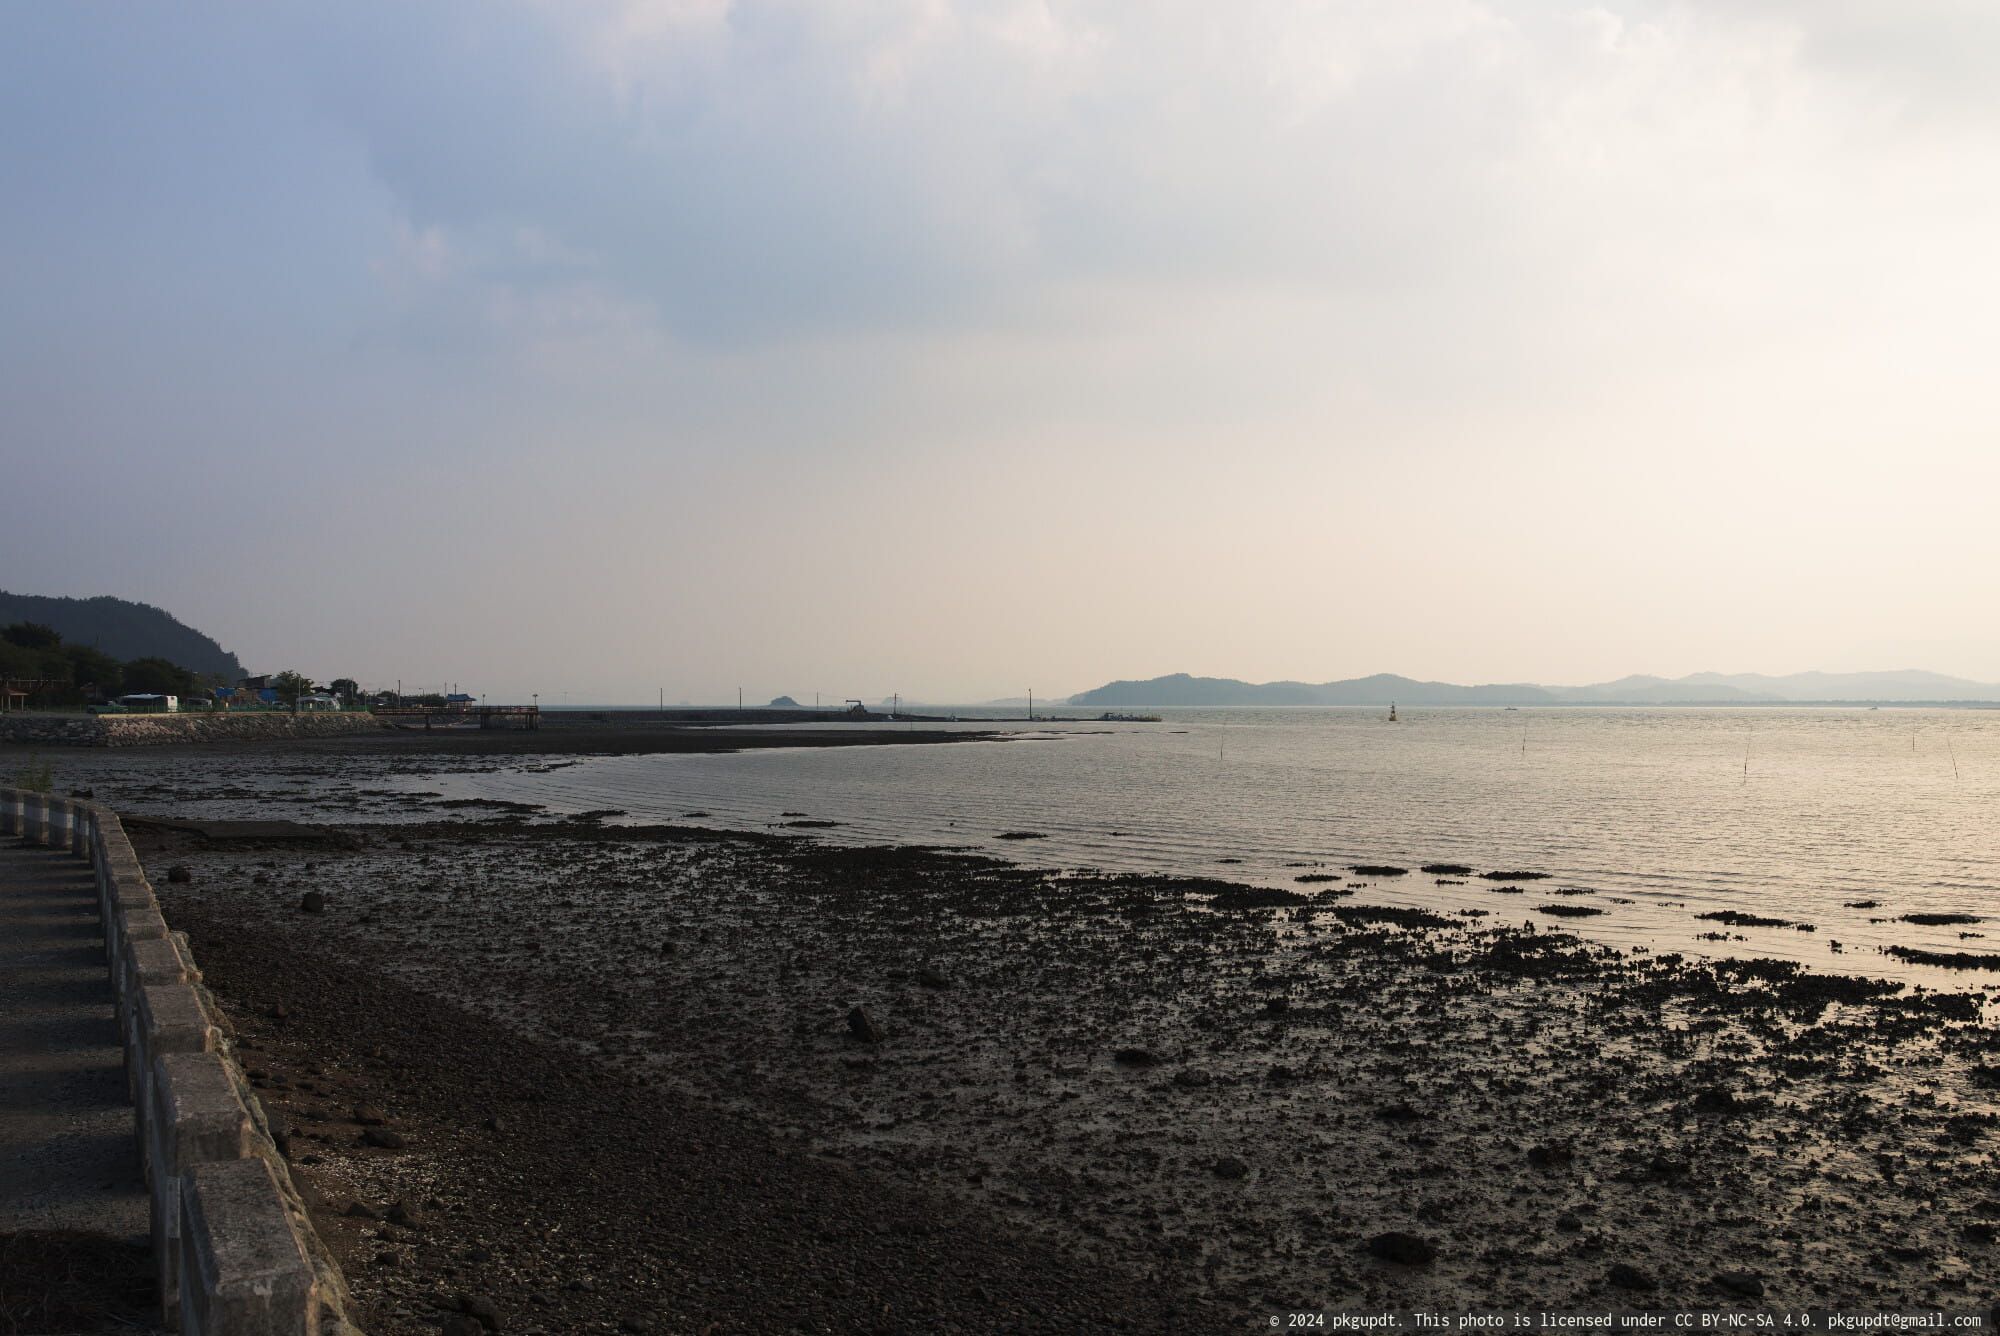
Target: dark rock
<point x="931" y="978"/>
<point x="480" y="1307"/>
<point x="862" y="1026"/>
<point x="406" y="1215"/>
<point x="384" y="1138"/>
<point x="460" y="1324"/>
<point x="1628" y="1277"/>
<point x="1714" y="1099"/>
<point x="360" y="1210"/>
<point x="1402" y="1249"/>
<point x="369" y="1115"/>
<point x="1231" y="1168"/>
<point x="313" y="902"/>
<point x="1745" y="1283"/>
<point x="180" y="874"/>
<point x="1551" y="1156"/>
<point x="1134" y="1057"/>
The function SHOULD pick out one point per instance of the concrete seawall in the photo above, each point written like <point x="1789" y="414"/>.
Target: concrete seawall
<point x="234" y="1251"/>
<point x="156" y="730"/>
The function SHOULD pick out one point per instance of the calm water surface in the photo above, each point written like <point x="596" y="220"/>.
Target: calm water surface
<point x="1664" y="813"/>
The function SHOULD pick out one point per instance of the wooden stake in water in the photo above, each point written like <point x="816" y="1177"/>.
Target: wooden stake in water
<point x="1746" y="758"/>
<point x="1952" y="752"/>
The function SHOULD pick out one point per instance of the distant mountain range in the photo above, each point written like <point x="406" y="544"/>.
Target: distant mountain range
<point x="1694" y="689"/>
<point x="124" y="630"/>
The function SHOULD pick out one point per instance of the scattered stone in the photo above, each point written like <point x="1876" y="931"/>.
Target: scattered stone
<point x="862" y="1026"/>
<point x="384" y="1138"/>
<point x="369" y="1115"/>
<point x="1715" y="1100"/>
<point x="1231" y="1168"/>
<point x="1745" y="1283"/>
<point x="406" y="1215"/>
<point x="931" y="978"/>
<point x="313" y="902"/>
<point x="1628" y="1277"/>
<point x="361" y="1210"/>
<point x="481" y="1308"/>
<point x="1402" y="1248"/>
<point x="180" y="874"/>
<point x="1134" y="1057"/>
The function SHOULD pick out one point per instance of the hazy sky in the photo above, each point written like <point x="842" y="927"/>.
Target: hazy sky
<point x="954" y="348"/>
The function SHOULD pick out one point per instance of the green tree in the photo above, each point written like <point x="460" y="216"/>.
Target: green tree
<point x="157" y="676"/>
<point x="40" y="662"/>
<point x="344" y="687"/>
<point x="91" y="669"/>
<point x="290" y="686"/>
<point x="31" y="635"/>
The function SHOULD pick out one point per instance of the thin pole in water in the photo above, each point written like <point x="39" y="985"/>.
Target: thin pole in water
<point x="1746" y="758"/>
<point x="1953" y="753"/>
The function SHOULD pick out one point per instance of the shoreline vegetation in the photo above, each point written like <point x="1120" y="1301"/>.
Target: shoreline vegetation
<point x="680" y="1078"/>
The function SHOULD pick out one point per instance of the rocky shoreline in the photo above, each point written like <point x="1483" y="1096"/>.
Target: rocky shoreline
<point x="1213" y="1103"/>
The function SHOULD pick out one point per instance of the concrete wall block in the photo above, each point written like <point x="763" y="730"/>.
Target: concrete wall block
<point x="168" y="1019"/>
<point x="196" y="1118"/>
<point x="244" y="1271"/>
<point x="122" y="925"/>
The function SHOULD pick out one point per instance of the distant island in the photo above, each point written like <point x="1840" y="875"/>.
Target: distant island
<point x="1907" y="686"/>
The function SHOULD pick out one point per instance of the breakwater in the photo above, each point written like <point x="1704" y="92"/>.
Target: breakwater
<point x="157" y="730"/>
<point x="234" y="1251"/>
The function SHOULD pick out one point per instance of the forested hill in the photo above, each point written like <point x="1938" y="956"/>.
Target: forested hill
<point x="124" y="630"/>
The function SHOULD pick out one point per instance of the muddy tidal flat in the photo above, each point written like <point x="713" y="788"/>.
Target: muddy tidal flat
<point x="974" y="1096"/>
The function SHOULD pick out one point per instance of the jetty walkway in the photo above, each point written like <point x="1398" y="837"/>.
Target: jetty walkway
<point x="68" y="1158"/>
<point x="124" y="1119"/>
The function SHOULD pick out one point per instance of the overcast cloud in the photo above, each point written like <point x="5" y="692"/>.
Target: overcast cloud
<point x="956" y="348"/>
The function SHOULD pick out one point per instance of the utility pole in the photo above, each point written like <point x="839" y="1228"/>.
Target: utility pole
<point x="1031" y="705"/>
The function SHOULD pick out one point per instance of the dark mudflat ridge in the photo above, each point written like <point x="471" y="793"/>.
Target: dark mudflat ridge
<point x="622" y="739"/>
